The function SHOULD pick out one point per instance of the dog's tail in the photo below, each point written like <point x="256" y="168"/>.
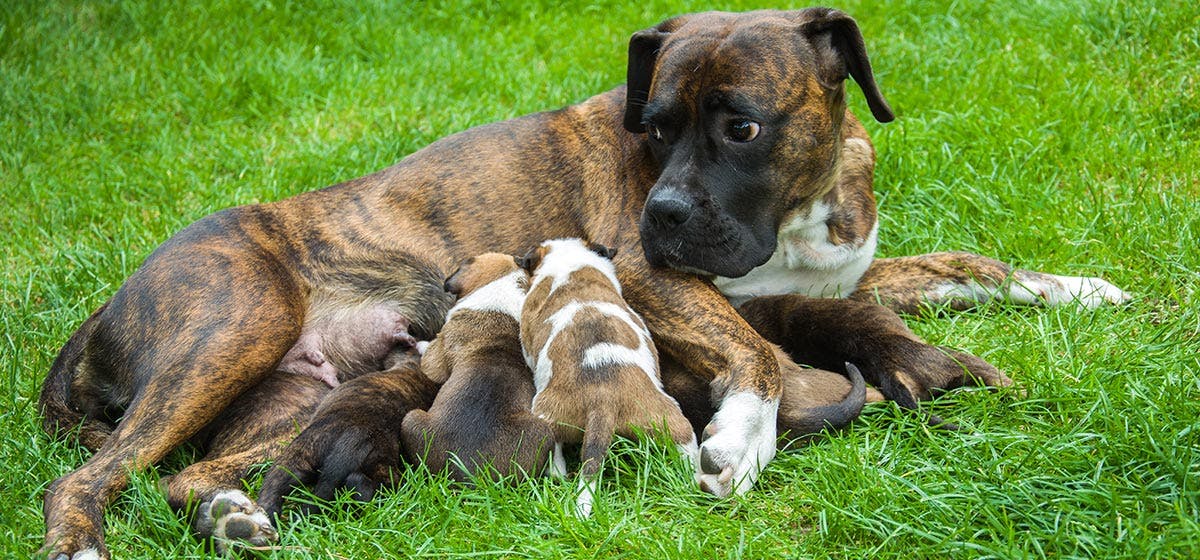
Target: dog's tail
<point x="813" y="420"/>
<point x="59" y="418"/>
<point x="597" y="437"/>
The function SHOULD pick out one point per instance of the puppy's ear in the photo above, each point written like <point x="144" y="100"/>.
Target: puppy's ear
<point x="643" y="53"/>
<point x="453" y="283"/>
<point x="840" y="51"/>
<point x="531" y="260"/>
<point x="606" y="252"/>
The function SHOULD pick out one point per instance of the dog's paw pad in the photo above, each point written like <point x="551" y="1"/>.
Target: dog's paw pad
<point x="85" y="554"/>
<point x="231" y="517"/>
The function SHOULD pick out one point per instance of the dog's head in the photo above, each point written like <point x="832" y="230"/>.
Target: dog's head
<point x="743" y="113"/>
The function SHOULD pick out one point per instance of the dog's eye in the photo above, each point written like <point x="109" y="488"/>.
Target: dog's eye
<point x="654" y="132"/>
<point x="742" y="130"/>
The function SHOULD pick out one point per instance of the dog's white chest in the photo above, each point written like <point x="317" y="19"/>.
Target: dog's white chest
<point x="805" y="262"/>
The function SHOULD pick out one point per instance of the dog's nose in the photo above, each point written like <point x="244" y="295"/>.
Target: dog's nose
<point x="669" y="210"/>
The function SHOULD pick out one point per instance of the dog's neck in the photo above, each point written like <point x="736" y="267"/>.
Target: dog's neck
<point x="810" y="258"/>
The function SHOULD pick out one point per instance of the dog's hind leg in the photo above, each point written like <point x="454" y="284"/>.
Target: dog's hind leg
<point x="831" y="333"/>
<point x="964" y="280"/>
<point x="597" y="437"/>
<point x="353" y="438"/>
<point x="179" y="342"/>
<point x="251" y="431"/>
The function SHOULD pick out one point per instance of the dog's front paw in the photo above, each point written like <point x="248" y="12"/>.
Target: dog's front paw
<point x="231" y="517"/>
<point x="1052" y="290"/>
<point x="738" y="444"/>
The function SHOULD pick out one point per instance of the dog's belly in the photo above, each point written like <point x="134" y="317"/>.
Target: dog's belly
<point x="337" y="344"/>
<point x="805" y="262"/>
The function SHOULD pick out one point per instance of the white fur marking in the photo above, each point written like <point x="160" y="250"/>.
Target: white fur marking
<point x="744" y="440"/>
<point x="690" y="452"/>
<point x="558" y="466"/>
<point x="1036" y="288"/>
<point x="608" y="354"/>
<point x="1059" y="290"/>
<point x="503" y="295"/>
<point x="805" y="262"/>
<point x="86" y="554"/>
<point x="861" y="144"/>
<point x="543" y="366"/>
<point x="587" y="496"/>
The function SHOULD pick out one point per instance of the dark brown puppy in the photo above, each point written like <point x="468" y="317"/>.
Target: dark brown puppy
<point x="594" y="363"/>
<point x="731" y="169"/>
<point x="481" y="415"/>
<point x="353" y="438"/>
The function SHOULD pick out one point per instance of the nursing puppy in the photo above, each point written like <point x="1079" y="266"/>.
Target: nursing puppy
<point x="481" y="415"/>
<point x="594" y="365"/>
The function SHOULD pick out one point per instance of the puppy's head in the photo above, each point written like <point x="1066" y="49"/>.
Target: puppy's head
<point x="479" y="271"/>
<point x="558" y="259"/>
<point x="532" y="259"/>
<point x="743" y="113"/>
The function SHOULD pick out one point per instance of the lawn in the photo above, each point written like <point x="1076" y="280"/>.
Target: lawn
<point x="1057" y="135"/>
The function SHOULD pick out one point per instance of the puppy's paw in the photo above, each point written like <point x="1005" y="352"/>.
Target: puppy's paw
<point x="586" y="499"/>
<point x="231" y="517"/>
<point x="738" y="444"/>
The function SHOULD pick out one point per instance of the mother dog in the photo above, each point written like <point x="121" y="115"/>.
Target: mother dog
<point x="727" y="166"/>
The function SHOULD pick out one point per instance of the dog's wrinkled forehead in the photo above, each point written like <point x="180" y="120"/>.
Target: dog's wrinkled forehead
<point x="772" y="60"/>
<point x="704" y="60"/>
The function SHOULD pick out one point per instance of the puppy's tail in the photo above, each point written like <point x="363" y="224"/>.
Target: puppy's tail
<point x="59" y="418"/>
<point x="597" y="437"/>
<point x="834" y="416"/>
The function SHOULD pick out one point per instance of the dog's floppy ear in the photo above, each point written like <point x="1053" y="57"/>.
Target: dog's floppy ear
<point x="839" y="45"/>
<point x="643" y="53"/>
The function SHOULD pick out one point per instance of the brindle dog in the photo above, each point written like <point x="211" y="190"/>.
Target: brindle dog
<point x="728" y="167"/>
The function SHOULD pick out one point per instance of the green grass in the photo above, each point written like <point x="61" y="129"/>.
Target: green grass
<point x="1062" y="136"/>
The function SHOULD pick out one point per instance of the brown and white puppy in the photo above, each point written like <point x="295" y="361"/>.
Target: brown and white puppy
<point x="594" y="365"/>
<point x="481" y="416"/>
